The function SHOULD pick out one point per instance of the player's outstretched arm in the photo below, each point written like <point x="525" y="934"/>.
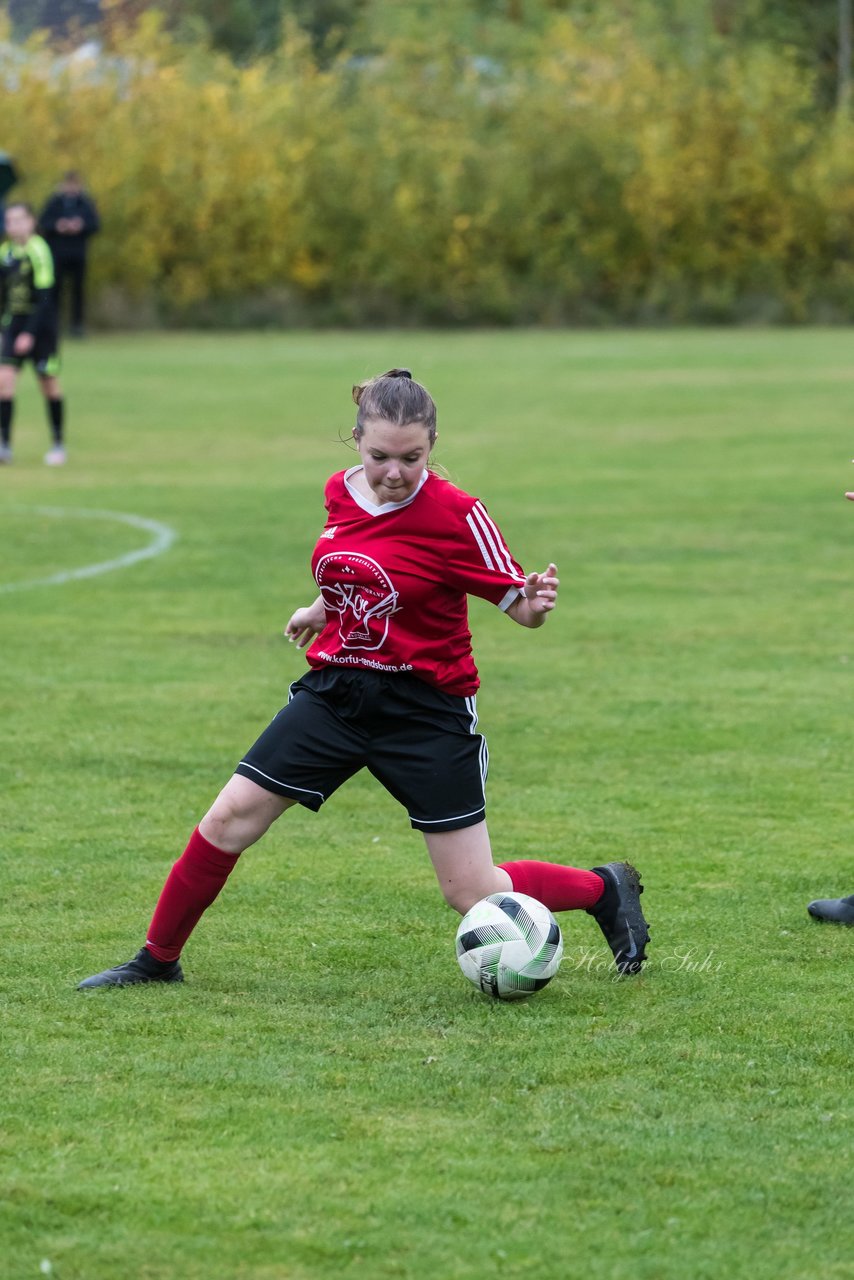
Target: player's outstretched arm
<point x="306" y="623"/>
<point x="539" y="598"/>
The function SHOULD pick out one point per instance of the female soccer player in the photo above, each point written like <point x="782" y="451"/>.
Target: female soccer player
<point x="391" y="688"/>
<point x="28" y="330"/>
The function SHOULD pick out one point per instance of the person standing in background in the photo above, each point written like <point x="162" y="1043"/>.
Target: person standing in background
<point x="28" y="329"/>
<point x="67" y="221"/>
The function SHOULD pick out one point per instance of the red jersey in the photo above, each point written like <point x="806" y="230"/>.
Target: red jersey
<point x="394" y="580"/>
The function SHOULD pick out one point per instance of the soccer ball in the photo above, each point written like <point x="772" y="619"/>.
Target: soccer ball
<point x="509" y="945"/>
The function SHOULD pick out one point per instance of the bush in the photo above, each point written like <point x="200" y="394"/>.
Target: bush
<point x="585" y="181"/>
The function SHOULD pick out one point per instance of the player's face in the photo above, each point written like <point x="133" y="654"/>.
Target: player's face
<point x="19" y="224"/>
<point x="394" y="458"/>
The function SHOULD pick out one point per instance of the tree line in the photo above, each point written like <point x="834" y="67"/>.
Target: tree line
<point x="464" y="162"/>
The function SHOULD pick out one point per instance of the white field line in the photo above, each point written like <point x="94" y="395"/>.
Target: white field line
<point x="161" y="540"/>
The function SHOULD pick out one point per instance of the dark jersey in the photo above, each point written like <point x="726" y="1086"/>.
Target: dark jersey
<point x="64" y="204"/>
<point x="26" y="283"/>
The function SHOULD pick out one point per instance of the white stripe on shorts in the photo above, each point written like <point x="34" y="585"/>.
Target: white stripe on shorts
<point x="306" y="791"/>
<point x="434" y="822"/>
<point x="471" y="704"/>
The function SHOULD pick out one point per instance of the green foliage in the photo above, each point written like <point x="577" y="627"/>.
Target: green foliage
<point x="240" y="27"/>
<point x="580" y="172"/>
<point x="327" y="1097"/>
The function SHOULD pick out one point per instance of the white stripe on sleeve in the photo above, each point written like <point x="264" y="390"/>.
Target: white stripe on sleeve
<point x="479" y="540"/>
<point x="494" y="538"/>
<point x="492" y="542"/>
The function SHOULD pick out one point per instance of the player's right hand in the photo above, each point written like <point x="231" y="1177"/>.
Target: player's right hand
<point x="305" y="624"/>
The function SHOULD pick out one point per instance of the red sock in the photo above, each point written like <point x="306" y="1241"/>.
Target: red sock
<point x="559" y="888"/>
<point x="191" y="886"/>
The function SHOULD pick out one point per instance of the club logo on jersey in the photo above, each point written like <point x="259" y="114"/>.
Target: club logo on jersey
<point x="330" y="533"/>
<point x="361" y="593"/>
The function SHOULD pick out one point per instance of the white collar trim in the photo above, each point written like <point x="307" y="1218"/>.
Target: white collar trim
<point x="384" y="508"/>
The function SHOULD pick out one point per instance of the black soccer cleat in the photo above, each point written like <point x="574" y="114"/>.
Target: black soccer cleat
<point x="142" y="968"/>
<point x="833" y="910"/>
<point x="618" y="914"/>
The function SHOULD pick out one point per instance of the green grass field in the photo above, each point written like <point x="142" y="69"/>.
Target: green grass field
<point x="326" y="1096"/>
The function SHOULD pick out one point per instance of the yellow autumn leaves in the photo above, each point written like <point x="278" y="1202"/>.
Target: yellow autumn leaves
<point x="585" y="183"/>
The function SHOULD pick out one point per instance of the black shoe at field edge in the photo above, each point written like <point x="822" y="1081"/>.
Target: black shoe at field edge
<point x="833" y="910"/>
<point x="620" y="917"/>
<point x="142" y="968"/>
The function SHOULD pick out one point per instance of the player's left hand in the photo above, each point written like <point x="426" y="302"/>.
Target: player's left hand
<point x="541" y="590"/>
<point x="23" y="344"/>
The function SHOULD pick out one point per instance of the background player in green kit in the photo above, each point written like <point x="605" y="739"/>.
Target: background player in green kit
<point x="29" y="326"/>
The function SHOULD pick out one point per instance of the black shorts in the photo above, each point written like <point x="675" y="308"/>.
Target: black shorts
<point x="44" y="352"/>
<point x="419" y="742"/>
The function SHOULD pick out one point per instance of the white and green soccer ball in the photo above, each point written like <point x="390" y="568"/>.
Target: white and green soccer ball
<point x="509" y="945"/>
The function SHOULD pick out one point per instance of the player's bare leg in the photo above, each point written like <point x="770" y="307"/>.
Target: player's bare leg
<point x="464" y="868"/>
<point x="241" y="814"/>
